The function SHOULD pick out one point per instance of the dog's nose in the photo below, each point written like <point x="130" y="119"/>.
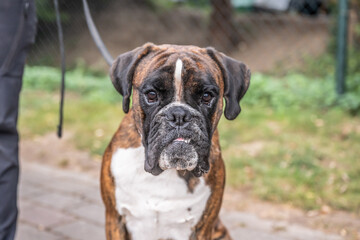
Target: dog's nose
<point x="178" y="117"/>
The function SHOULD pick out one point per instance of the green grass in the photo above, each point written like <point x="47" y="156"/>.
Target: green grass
<point x="286" y="146"/>
<point x="299" y="157"/>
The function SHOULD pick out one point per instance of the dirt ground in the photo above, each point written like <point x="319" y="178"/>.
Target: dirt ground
<point x="62" y="154"/>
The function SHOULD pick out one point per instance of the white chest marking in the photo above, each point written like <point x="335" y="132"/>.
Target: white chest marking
<point x="155" y="207"/>
<point x="178" y="80"/>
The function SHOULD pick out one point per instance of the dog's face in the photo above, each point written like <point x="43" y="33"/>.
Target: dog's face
<point x="178" y="96"/>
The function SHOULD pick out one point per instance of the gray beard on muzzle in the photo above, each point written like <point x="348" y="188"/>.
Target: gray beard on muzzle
<point x="179" y="155"/>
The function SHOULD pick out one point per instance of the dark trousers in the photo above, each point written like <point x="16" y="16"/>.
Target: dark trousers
<point x="17" y="32"/>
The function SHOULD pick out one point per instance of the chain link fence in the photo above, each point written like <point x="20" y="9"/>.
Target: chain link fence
<point x="266" y="34"/>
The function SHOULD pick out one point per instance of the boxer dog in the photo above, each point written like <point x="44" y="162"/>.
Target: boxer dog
<point x="162" y="174"/>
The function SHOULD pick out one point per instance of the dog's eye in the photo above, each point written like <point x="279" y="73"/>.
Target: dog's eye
<point x="206" y="98"/>
<point x="151" y="96"/>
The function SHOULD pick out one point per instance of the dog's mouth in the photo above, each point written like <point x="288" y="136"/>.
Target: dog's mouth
<point x="182" y="140"/>
<point x="179" y="155"/>
<point x="184" y="153"/>
<point x="168" y="150"/>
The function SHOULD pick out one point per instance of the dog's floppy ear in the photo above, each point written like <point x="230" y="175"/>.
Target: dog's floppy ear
<point x="123" y="69"/>
<point x="236" y="76"/>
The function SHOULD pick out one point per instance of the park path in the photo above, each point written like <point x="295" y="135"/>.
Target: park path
<point x="58" y="204"/>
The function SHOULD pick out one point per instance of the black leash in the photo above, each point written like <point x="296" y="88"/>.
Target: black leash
<point x="99" y="43"/>
<point x="63" y="68"/>
<point x="95" y="35"/>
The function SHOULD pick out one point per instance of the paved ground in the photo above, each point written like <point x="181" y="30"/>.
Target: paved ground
<point x="57" y="204"/>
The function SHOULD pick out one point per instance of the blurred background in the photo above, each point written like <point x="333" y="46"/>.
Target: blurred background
<point x="295" y="145"/>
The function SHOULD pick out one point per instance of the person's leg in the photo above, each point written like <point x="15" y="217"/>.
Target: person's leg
<point x="11" y="12"/>
<point x="9" y="167"/>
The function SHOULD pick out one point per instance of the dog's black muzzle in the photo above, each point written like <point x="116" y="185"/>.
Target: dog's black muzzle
<point x="177" y="139"/>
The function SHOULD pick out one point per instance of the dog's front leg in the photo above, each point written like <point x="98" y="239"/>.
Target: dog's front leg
<point x="115" y="223"/>
<point x="115" y="226"/>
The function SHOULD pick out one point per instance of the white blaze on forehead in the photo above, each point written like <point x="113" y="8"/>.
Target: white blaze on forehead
<point x="177" y="79"/>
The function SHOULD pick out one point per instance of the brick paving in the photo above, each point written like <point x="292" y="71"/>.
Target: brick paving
<point x="56" y="204"/>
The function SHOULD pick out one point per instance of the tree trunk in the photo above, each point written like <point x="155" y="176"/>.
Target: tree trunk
<point x="223" y="33"/>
